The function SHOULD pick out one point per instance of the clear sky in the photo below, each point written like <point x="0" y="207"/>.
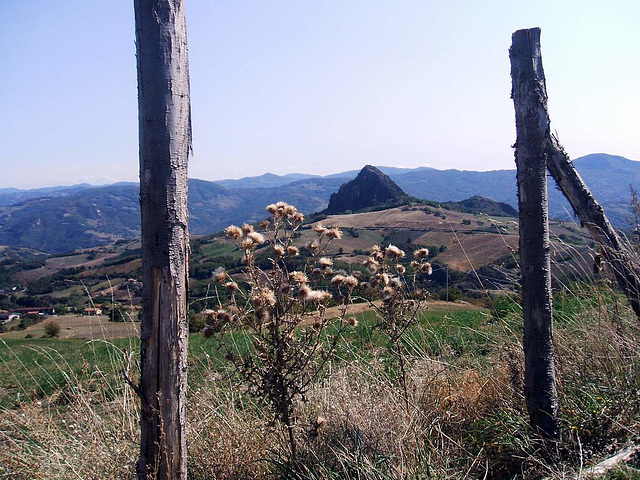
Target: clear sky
<point x="313" y="86"/>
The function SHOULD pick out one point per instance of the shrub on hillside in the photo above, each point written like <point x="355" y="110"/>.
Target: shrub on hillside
<point x="51" y="328"/>
<point x="29" y="319"/>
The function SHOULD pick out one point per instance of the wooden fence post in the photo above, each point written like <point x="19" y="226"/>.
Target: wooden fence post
<point x="532" y="125"/>
<point x="165" y="141"/>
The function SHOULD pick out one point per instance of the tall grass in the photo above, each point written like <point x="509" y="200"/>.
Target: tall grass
<point x="67" y="420"/>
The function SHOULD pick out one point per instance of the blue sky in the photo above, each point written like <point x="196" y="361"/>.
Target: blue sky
<point x="313" y="86"/>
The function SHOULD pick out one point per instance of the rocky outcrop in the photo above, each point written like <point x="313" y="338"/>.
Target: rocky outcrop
<point x="370" y="188"/>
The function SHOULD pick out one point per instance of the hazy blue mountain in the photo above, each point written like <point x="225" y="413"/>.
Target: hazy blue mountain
<point x="390" y="171"/>
<point x="456" y="185"/>
<point x="264" y="181"/>
<point x="56" y="224"/>
<point x="212" y="207"/>
<point x="101" y="215"/>
<point x="9" y="196"/>
<point x="58" y="219"/>
<point x="271" y="180"/>
<point x="607" y="176"/>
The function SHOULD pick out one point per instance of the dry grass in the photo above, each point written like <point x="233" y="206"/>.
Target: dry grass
<point x="229" y="437"/>
<point x="86" y="429"/>
<point x="82" y="440"/>
<point x="469" y="246"/>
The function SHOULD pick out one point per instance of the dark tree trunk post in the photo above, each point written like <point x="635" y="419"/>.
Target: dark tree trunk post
<point x="591" y="214"/>
<point x="532" y="125"/>
<point x="165" y="140"/>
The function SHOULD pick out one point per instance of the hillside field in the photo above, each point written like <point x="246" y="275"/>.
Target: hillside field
<point x="83" y="327"/>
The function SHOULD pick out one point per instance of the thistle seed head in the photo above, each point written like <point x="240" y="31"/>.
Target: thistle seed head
<point x="257" y="238"/>
<point x="233" y="231"/>
<point x="334" y="233"/>
<point x="392" y="252"/>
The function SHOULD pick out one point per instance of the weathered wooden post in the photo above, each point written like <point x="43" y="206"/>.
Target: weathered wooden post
<point x="619" y="256"/>
<point x="622" y="260"/>
<point x="165" y="141"/>
<point x="532" y="125"/>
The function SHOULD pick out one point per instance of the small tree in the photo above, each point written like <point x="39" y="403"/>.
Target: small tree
<point x="51" y="328"/>
<point x="118" y="314"/>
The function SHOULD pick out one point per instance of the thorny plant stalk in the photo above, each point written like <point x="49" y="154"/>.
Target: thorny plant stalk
<point x="283" y="348"/>
<point x="634" y="218"/>
<point x="401" y="301"/>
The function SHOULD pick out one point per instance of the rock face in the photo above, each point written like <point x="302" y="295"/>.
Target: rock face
<point x="369" y="189"/>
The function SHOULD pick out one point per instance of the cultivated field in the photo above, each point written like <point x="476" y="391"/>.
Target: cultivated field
<point x="88" y="327"/>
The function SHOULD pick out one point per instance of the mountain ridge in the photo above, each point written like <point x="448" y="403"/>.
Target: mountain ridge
<point x="66" y="219"/>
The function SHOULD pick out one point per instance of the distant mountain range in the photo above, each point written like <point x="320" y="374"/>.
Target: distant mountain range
<point x="59" y="219"/>
<point x="64" y="221"/>
<point x="9" y="196"/>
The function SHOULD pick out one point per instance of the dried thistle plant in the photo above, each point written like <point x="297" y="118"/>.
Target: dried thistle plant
<point x="280" y="313"/>
<point x="401" y="300"/>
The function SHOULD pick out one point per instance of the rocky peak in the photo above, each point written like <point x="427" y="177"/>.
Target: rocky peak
<point x="369" y="189"/>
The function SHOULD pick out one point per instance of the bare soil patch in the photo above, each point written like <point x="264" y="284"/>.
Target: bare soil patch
<point x="89" y="327"/>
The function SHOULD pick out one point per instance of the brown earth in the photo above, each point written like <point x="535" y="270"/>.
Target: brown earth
<point x="88" y="327"/>
<point x="472" y="241"/>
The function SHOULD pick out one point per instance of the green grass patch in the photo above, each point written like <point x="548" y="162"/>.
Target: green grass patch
<point x="38" y="368"/>
<point x="69" y="261"/>
<point x="77" y="290"/>
<point x="111" y="283"/>
<point x="466" y="364"/>
<point x="218" y="248"/>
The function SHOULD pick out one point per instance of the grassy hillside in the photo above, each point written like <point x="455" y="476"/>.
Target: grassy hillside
<point x="470" y="252"/>
<point x="67" y="412"/>
<point x="445" y="396"/>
